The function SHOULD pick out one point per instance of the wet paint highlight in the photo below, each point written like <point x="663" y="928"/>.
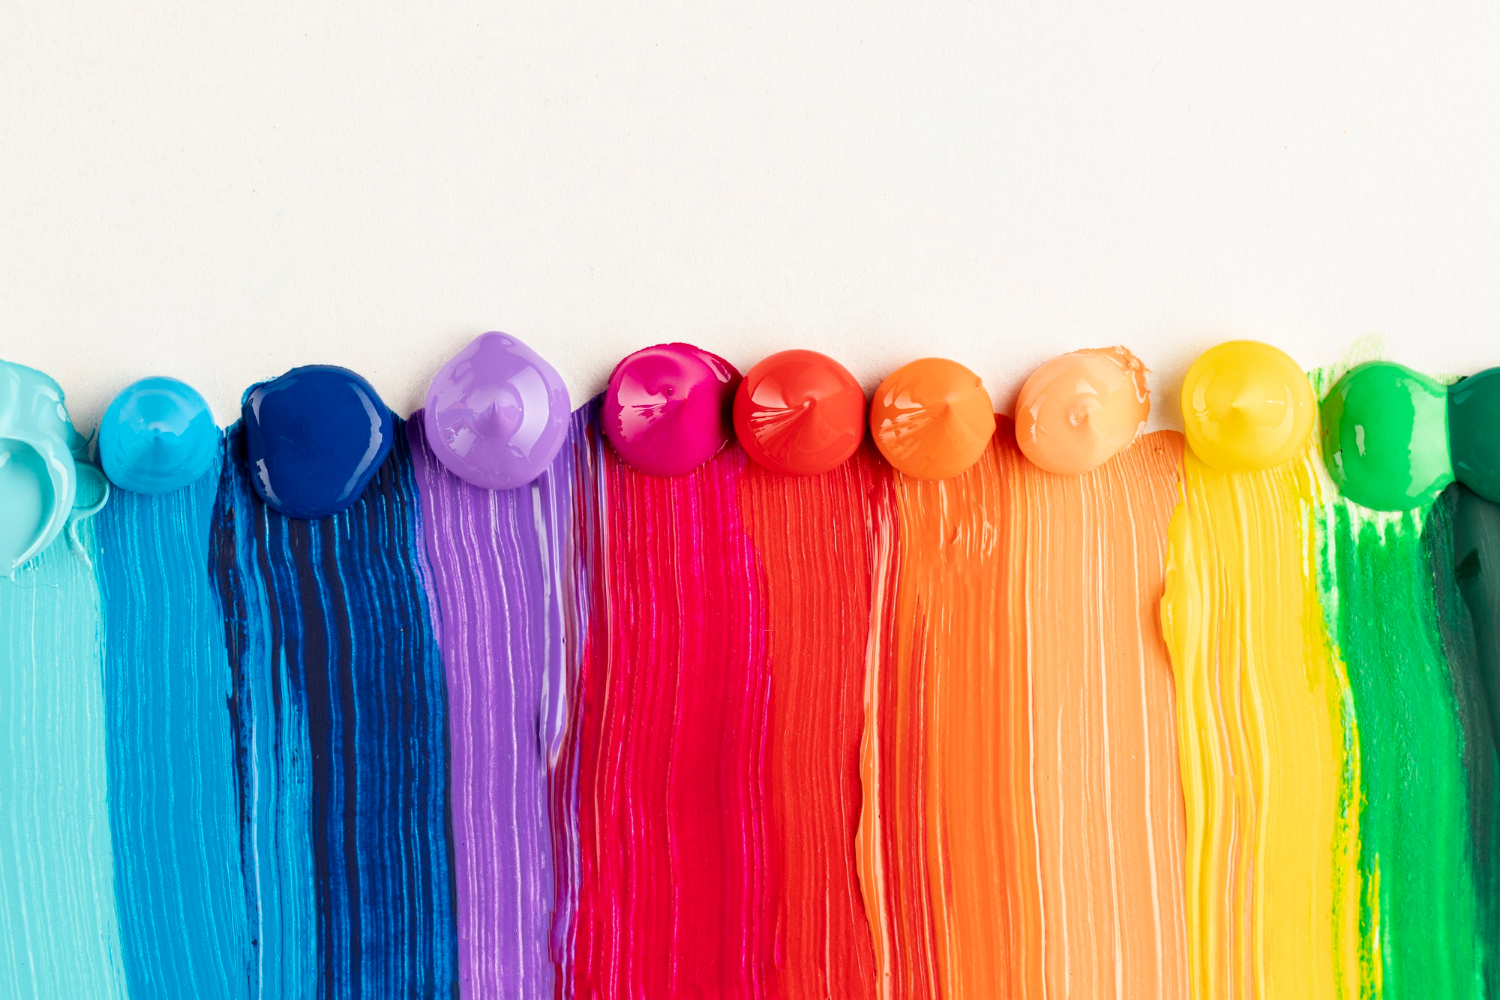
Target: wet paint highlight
<point x="174" y="815"/>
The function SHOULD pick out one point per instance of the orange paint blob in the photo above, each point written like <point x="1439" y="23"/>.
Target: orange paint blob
<point x="799" y="413"/>
<point x="1077" y="411"/>
<point x="1022" y="833"/>
<point x="932" y="418"/>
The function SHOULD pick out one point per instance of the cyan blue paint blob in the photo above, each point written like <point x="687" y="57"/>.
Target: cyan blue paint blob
<point x="314" y="438"/>
<point x="158" y="436"/>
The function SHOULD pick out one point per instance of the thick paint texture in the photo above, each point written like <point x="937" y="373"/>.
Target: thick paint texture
<point x="1474" y="445"/>
<point x="1018" y="698"/>
<point x="1267" y="744"/>
<point x="1246" y="406"/>
<point x="1419" y="911"/>
<point x="158" y="435"/>
<point x="932" y="418"/>
<point x="670" y="737"/>
<point x="1077" y="411"/>
<point x="345" y="633"/>
<point x="669" y="408"/>
<point x="799" y="413"/>
<point x="59" y="925"/>
<point x="1385" y="436"/>
<point x="174" y="811"/>
<point x="497" y="582"/>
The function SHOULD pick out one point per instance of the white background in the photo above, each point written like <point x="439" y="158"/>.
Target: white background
<point x="220" y="192"/>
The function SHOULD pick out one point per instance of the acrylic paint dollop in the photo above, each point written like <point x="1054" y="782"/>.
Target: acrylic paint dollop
<point x="1077" y="411"/>
<point x="669" y="408"/>
<point x="497" y="413"/>
<point x="1474" y="432"/>
<point x="1246" y="405"/>
<point x="1385" y="436"/>
<point x="799" y="413"/>
<point x="157" y="436"/>
<point x="932" y="418"/>
<point x="314" y="438"/>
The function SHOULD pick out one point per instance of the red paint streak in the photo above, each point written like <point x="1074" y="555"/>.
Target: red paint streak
<point x="813" y="540"/>
<point x="675" y="891"/>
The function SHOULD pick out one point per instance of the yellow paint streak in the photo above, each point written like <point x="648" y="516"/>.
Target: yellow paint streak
<point x="1266" y="745"/>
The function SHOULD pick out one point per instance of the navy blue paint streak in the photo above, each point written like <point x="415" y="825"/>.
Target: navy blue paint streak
<point x="346" y="611"/>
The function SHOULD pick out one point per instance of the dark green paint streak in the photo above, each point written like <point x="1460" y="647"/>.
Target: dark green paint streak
<point x="1473" y="420"/>
<point x="1416" y="855"/>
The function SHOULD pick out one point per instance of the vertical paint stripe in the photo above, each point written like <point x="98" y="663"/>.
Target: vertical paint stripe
<point x="59" y="934"/>
<point x="1268" y="767"/>
<point x="348" y="614"/>
<point x="496" y="590"/>
<point x="813" y="543"/>
<point x="674" y="893"/>
<point x="272" y="752"/>
<point x="1088" y="564"/>
<point x="174" y="816"/>
<point x="1419" y="915"/>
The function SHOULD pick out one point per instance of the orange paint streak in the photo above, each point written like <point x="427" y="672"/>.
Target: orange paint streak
<point x="1023" y="829"/>
<point x="811" y="535"/>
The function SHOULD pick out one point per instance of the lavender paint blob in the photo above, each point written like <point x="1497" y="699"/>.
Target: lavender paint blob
<point x="497" y="413"/>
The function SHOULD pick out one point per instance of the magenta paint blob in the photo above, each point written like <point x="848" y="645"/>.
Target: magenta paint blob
<point x="669" y="408"/>
<point x="497" y="413"/>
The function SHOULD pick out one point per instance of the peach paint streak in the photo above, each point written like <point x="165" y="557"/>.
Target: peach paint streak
<point x="1023" y="825"/>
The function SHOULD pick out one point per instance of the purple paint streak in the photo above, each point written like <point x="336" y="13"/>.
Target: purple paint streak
<point x="498" y="569"/>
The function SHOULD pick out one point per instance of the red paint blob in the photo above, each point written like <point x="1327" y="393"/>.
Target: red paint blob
<point x="799" y="413"/>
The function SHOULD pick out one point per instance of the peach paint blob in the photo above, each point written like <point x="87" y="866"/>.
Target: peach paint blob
<point x="1077" y="411"/>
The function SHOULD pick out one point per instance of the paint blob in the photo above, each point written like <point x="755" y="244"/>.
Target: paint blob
<point x="799" y="413"/>
<point x="932" y="418"/>
<point x="1077" y="411"/>
<point x="1385" y="436"/>
<point x="157" y="436"/>
<point x="497" y="413"/>
<point x="45" y="480"/>
<point x="314" y="438"/>
<point x="670" y="408"/>
<point x="1245" y="406"/>
<point x="1474" y="432"/>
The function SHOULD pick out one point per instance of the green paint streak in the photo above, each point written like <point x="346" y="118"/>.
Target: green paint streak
<point x="1473" y="422"/>
<point x="1420" y="921"/>
<point x="1385" y="436"/>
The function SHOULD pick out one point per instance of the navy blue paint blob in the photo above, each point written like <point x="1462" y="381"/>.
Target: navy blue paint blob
<point x="331" y="620"/>
<point x="314" y="438"/>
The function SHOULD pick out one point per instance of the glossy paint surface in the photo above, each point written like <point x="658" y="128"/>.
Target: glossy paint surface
<point x="1077" y="411"/>
<point x="799" y="413"/>
<point x="932" y="418"/>
<point x="496" y="413"/>
<point x="314" y="438"/>
<point x="670" y="408"/>
<point x="1246" y="406"/>
<point x="157" y="436"/>
<point x="1474" y="432"/>
<point x="1385" y="436"/>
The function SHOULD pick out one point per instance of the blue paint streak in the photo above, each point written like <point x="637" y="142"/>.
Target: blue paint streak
<point x="272" y="753"/>
<point x="59" y="934"/>
<point x="174" y="813"/>
<point x="347" y="616"/>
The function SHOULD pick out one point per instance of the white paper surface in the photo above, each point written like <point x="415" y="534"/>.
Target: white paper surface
<point x="220" y="192"/>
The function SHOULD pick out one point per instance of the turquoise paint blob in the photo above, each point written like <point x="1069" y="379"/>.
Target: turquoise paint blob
<point x="158" y="435"/>
<point x="314" y="438"/>
<point x="1474" y="432"/>
<point x="174" y="800"/>
<point x="44" y="479"/>
<point x="1385" y="436"/>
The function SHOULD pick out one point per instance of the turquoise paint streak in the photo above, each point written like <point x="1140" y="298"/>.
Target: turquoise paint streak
<point x="59" y="934"/>
<point x="174" y="810"/>
<point x="272" y="756"/>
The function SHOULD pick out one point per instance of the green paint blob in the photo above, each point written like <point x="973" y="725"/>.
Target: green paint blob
<point x="1421" y="916"/>
<point x="1385" y="436"/>
<point x="1474" y="432"/>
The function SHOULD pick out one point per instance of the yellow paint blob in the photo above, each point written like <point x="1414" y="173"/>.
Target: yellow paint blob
<point x="1267" y="745"/>
<point x="1246" y="405"/>
<point x="1078" y="410"/>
